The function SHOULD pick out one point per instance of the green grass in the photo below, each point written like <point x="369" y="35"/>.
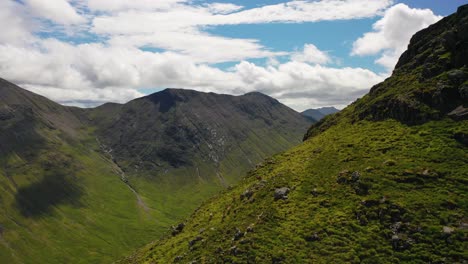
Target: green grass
<point x="64" y="201"/>
<point x="414" y="175"/>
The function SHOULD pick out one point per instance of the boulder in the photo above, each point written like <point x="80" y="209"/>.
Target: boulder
<point x="195" y="240"/>
<point x="282" y="193"/>
<point x="177" y="229"/>
<point x="238" y="234"/>
<point x="247" y="194"/>
<point x="446" y="230"/>
<point x="355" y="176"/>
<point x="459" y="113"/>
<point x="457" y="76"/>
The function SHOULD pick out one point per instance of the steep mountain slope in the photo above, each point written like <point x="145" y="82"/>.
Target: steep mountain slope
<point x="383" y="181"/>
<point x="91" y="185"/>
<point x="319" y="113"/>
<point x="61" y="200"/>
<point x="191" y="144"/>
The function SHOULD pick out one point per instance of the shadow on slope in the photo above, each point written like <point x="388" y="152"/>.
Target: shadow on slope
<point x="58" y="186"/>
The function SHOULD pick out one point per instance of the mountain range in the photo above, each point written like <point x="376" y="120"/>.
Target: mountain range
<point x="382" y="181"/>
<point x="319" y="113"/>
<point x="91" y="185"/>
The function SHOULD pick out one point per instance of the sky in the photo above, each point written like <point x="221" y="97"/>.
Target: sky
<point x="306" y="54"/>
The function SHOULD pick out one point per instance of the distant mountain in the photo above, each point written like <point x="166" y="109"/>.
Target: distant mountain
<point x="91" y="185"/>
<point x="382" y="181"/>
<point x="319" y="113"/>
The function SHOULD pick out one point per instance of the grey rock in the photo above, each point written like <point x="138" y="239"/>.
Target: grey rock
<point x="247" y="194"/>
<point x="446" y="230"/>
<point x="238" y="234"/>
<point x="177" y="229"/>
<point x="463" y="91"/>
<point x="195" y="240"/>
<point x="282" y="193"/>
<point x="234" y="251"/>
<point x="355" y="176"/>
<point x="459" y="113"/>
<point x="457" y="76"/>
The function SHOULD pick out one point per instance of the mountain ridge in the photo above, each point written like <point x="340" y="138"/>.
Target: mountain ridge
<point x="382" y="181"/>
<point x="71" y="193"/>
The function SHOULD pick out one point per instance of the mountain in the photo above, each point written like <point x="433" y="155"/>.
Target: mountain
<point x="92" y="185"/>
<point x="319" y="113"/>
<point x="382" y="181"/>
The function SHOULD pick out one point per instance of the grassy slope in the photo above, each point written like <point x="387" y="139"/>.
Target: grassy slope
<point x="412" y="161"/>
<point x="68" y="205"/>
<point x="420" y="170"/>
<point x="63" y="201"/>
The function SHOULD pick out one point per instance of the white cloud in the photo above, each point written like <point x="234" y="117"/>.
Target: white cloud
<point x="59" y="11"/>
<point x="120" y="5"/>
<point x="114" y="69"/>
<point x="16" y="28"/>
<point x="308" y="11"/>
<point x="311" y="54"/>
<point x="392" y="33"/>
<point x="223" y="8"/>
<point x="180" y="28"/>
<point x="93" y="73"/>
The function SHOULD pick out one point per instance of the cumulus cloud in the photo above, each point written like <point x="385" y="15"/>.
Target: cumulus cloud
<point x="119" y="5"/>
<point x="392" y="33"/>
<point x="158" y="44"/>
<point x="311" y="54"/>
<point x="59" y="11"/>
<point x="87" y="74"/>
<point x="19" y="28"/>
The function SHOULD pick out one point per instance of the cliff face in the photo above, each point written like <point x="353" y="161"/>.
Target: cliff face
<point x="429" y="81"/>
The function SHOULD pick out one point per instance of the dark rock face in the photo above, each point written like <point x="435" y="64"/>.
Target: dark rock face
<point x="175" y="127"/>
<point x="429" y="81"/>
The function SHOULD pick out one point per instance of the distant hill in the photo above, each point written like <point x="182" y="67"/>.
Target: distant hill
<point x="91" y="185"/>
<point x="319" y="113"/>
<point x="382" y="181"/>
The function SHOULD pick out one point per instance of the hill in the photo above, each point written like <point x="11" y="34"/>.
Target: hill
<point x="91" y="185"/>
<point x="383" y="181"/>
<point x="319" y="113"/>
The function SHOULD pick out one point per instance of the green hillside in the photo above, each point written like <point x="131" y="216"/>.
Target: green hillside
<point x="383" y="181"/>
<point x="65" y="197"/>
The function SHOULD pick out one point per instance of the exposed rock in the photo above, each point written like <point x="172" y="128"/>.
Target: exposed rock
<point x="315" y="192"/>
<point x="457" y="76"/>
<point x="395" y="241"/>
<point x="234" y="251"/>
<point x="282" y="193"/>
<point x="446" y="230"/>
<point x="355" y="176"/>
<point x="463" y="91"/>
<point x="459" y="113"/>
<point x="247" y="194"/>
<point x="396" y="227"/>
<point x="238" y="234"/>
<point x="178" y="258"/>
<point x="177" y="229"/>
<point x="250" y="228"/>
<point x="312" y="238"/>
<point x="195" y="240"/>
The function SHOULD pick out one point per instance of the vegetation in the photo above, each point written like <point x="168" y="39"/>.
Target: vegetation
<point x="383" y="181"/>
<point x="91" y="186"/>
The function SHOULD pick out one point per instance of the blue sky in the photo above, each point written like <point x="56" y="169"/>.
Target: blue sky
<point x="306" y="54"/>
